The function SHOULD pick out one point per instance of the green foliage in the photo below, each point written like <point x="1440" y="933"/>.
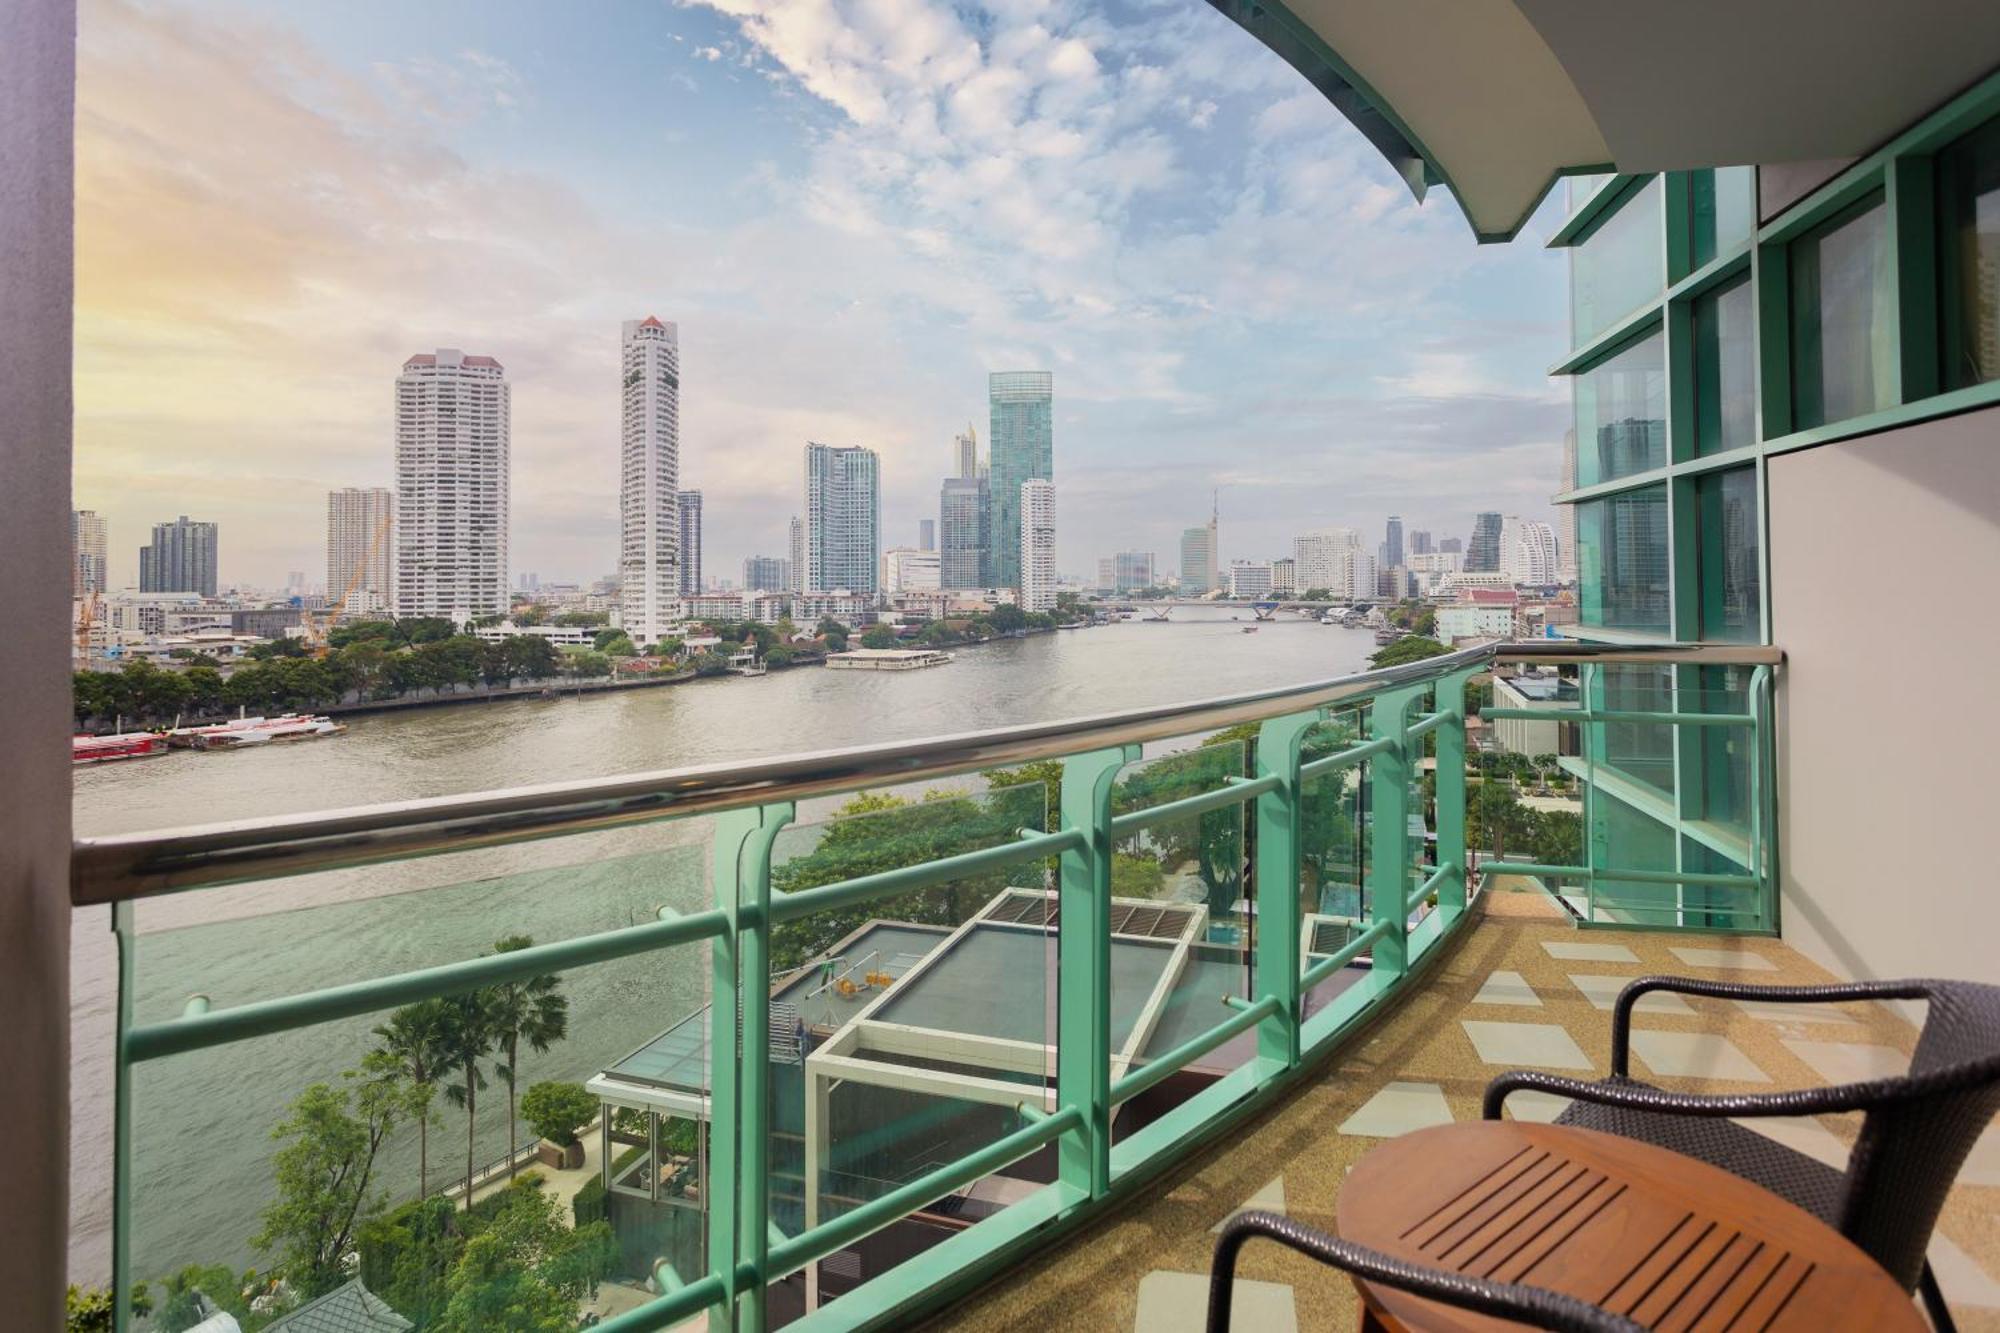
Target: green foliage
<point x="182" y="1300"/>
<point x="1494" y="817"/>
<point x="589" y="1204"/>
<point x="589" y="666"/>
<point x="834" y="633"/>
<point x="1213" y="840"/>
<point x="556" y="1111"/>
<point x="615" y="642"/>
<point x="710" y="664"/>
<point x="1136" y="876"/>
<point x="582" y="619"/>
<point x="778" y="658"/>
<point x="1008" y="619"/>
<point x="879" y="636"/>
<point x="873" y="833"/>
<point x="532" y="1012"/>
<point x="1414" y="648"/>
<point x="331" y="1136"/>
<point x="525" y="1271"/>
<point x="407" y="1257"/>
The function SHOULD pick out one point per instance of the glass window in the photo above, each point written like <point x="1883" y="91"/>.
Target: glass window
<point x="1622" y="561"/>
<point x="1723" y="211"/>
<point x="1726" y="553"/>
<point x="1642" y="751"/>
<point x="1843" y="339"/>
<point x="1968" y="176"/>
<point x="1725" y="370"/>
<point x="1621" y="413"/>
<point x="1619" y="268"/>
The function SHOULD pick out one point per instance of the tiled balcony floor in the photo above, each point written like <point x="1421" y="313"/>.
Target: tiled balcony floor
<point x="1522" y="990"/>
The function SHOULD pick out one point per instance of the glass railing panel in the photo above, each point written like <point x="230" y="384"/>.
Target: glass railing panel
<point x="907" y="1031"/>
<point x="1333" y="899"/>
<point x="287" y="1153"/>
<point x="1181" y="924"/>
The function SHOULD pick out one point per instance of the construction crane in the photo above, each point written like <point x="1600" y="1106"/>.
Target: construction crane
<point x="86" y="619"/>
<point x="317" y="627"/>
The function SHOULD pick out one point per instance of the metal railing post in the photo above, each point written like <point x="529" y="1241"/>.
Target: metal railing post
<point x="1083" y="983"/>
<point x="122" y="1165"/>
<point x="1450" y="795"/>
<point x="738" y="1187"/>
<point x="1279" y="849"/>
<point x="1389" y="829"/>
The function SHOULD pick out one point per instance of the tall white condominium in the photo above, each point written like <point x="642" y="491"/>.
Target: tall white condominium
<point x="843" y="518"/>
<point x="452" y="437"/>
<point x="649" y="453"/>
<point x="88" y="542"/>
<point x="358" y="537"/>
<point x="1038" y="545"/>
<point x="690" y="510"/>
<point x="1322" y="559"/>
<point x="1528" y="552"/>
<point x="795" y="549"/>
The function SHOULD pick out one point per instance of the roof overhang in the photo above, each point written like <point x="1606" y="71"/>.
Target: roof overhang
<point x="1497" y="99"/>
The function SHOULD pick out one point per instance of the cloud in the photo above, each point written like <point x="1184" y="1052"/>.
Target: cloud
<point x="1224" y="278"/>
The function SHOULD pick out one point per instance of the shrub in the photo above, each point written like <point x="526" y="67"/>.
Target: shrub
<point x="589" y="1204"/>
<point x="556" y="1111"/>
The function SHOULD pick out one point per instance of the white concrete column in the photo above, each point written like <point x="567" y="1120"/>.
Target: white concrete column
<point x="37" y="106"/>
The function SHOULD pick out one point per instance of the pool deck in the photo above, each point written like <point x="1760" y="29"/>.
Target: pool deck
<point x="1523" y="989"/>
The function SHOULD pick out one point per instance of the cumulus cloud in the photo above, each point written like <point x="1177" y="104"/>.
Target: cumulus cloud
<point x="1225" y="279"/>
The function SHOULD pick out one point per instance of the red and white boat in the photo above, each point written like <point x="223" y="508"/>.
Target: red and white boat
<point x="240" y="732"/>
<point x="103" y="749"/>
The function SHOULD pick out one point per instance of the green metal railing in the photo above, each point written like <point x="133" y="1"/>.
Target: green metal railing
<point x="1404" y="713"/>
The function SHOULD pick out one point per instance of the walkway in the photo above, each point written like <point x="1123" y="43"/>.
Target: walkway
<point x="1524" y="989"/>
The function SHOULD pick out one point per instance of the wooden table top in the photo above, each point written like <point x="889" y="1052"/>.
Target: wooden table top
<point x="1668" y="1241"/>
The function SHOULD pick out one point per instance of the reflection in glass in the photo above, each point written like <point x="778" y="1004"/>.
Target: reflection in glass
<point x="1725" y="372"/>
<point x="1726" y="550"/>
<point x="1968" y="175"/>
<point x="1843" y="335"/>
<point x="1621" y="413"/>
<point x="1619" y="268"/>
<point x="1622" y="553"/>
<point x="1722" y="205"/>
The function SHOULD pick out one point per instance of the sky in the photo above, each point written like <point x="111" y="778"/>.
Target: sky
<point x="853" y="209"/>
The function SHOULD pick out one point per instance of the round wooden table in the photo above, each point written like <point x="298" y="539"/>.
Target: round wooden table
<point x="1668" y="1241"/>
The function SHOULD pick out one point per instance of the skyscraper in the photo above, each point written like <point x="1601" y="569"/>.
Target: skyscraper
<point x="453" y="428"/>
<point x="796" y="548"/>
<point x="1322" y="559"/>
<point x="1451" y="546"/>
<point x="965" y="453"/>
<point x="843" y="518"/>
<point x="88" y="543"/>
<point x="927" y="534"/>
<point x="181" y="558"/>
<point x="963" y="516"/>
<point x="1038" y="544"/>
<point x="650" y="578"/>
<point x="1420" y="541"/>
<point x="1528" y="551"/>
<point x="358" y="547"/>
<point x="1392" y="542"/>
<point x="1198" y="559"/>
<point x="1482" y="553"/>
<point x="1020" y="436"/>
<point x="689" y="504"/>
<point x="767" y="573"/>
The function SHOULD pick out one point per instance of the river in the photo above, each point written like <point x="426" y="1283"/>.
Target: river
<point x="202" y="1122"/>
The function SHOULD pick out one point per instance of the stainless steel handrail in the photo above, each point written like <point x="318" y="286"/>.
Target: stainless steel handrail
<point x="140" y="865"/>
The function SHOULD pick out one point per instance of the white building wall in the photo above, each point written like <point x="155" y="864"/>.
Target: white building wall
<point x="360" y="547"/>
<point x="908" y="569"/>
<point x="1038" y="545"/>
<point x="453" y="430"/>
<point x="1528" y="552"/>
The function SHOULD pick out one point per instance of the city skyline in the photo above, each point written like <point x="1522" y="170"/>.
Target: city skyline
<point x="1367" y="377"/>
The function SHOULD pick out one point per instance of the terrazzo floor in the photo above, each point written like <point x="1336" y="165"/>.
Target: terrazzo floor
<point x="1525" y="990"/>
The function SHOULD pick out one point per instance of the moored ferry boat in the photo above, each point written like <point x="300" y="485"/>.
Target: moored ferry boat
<point x="288" y="727"/>
<point x="103" y="749"/>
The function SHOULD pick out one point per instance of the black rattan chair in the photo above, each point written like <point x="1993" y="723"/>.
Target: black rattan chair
<point x="1535" y="1306"/>
<point x="1918" y="1131"/>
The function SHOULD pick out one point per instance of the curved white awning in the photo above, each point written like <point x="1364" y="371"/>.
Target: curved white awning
<point x="1498" y="98"/>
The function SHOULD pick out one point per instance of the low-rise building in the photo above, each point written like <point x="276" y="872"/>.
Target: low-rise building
<point x="1532" y="736"/>
<point x="562" y="636"/>
<point x="1461" y="621"/>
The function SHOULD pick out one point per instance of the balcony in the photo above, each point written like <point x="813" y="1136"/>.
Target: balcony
<point x="846" y="1058"/>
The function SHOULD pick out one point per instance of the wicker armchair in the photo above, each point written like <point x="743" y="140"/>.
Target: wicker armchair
<point x="1918" y="1131"/>
<point x="1534" y="1306"/>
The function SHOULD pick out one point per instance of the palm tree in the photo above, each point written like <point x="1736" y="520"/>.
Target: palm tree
<point x="468" y="1039"/>
<point x="414" y="1037"/>
<point x="535" y="1011"/>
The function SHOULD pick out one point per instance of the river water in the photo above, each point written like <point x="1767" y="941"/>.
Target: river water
<point x="202" y="1121"/>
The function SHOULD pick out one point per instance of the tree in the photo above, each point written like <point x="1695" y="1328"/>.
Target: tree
<point x="414" y="1039"/>
<point x="778" y="658"/>
<point x="1493" y="815"/>
<point x="468" y="1039"/>
<point x="534" y="1011"/>
<point x="589" y="665"/>
<point x="834" y="633"/>
<point x="191" y="1292"/>
<point x="324" y="1172"/>
<point x="610" y="641"/>
<point x="879" y="636"/>
<point x="525" y="1271"/>
<point x="1412" y="648"/>
<point x="710" y="664"/>
<point x="556" y="1111"/>
<point x="1008" y="619"/>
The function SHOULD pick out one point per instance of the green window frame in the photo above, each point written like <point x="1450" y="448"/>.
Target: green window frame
<point x="1842" y="307"/>
<point x="1968" y="239"/>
